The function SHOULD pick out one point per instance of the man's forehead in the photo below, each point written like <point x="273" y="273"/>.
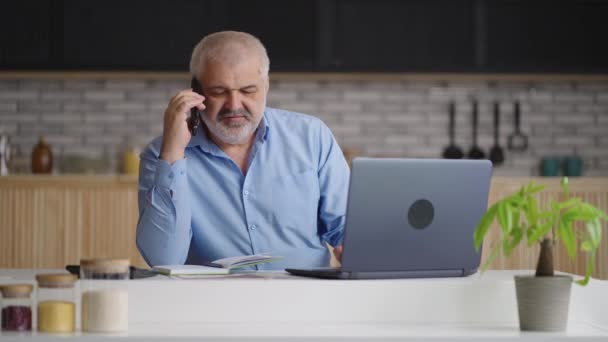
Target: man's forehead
<point x="238" y="61"/>
<point x="232" y="76"/>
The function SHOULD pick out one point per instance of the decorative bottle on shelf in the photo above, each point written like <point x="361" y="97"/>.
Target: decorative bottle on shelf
<point x="42" y="157"/>
<point x="131" y="161"/>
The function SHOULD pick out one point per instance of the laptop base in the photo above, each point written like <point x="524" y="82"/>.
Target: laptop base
<point x="337" y="273"/>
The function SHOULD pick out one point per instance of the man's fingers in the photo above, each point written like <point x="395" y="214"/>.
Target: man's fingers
<point x="185" y="94"/>
<point x="186" y="97"/>
<point x="187" y="104"/>
<point x="338" y="252"/>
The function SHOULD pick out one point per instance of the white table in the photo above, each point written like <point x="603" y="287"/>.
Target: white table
<point x="276" y="306"/>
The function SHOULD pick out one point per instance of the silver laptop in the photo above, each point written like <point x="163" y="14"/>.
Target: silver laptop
<point x="411" y="218"/>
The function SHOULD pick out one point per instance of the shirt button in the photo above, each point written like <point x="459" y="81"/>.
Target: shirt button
<point x="253" y="227"/>
<point x="245" y="192"/>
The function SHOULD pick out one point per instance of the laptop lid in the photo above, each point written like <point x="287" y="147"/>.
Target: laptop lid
<point x="414" y="215"/>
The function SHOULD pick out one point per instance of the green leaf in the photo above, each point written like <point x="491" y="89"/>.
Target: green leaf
<point x="576" y="214"/>
<point x="532" y="189"/>
<point x="555" y="208"/>
<point x="491" y="257"/>
<point x="509" y="244"/>
<point x="590" y="211"/>
<point x="521" y="192"/>
<point x="583" y="282"/>
<point x="587" y="246"/>
<point x="504" y="217"/>
<point x="483" y="226"/>
<point x="532" y="211"/>
<point x="569" y="203"/>
<point x="515" y="214"/>
<point x="589" y="270"/>
<point x="594" y="228"/>
<point x="566" y="233"/>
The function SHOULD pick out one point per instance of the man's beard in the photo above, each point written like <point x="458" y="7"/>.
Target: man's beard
<point x="232" y="132"/>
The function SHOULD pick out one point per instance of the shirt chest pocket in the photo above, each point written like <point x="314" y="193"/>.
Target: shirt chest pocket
<point x="295" y="200"/>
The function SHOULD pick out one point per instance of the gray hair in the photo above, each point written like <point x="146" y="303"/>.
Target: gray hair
<point x="227" y="47"/>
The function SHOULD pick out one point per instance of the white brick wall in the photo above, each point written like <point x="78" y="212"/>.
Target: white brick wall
<point x="99" y="118"/>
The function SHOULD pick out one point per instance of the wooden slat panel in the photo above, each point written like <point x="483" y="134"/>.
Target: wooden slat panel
<point x="23" y="227"/>
<point x="7" y="226"/>
<point x="51" y="221"/>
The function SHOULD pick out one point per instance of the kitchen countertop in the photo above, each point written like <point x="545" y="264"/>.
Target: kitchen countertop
<point x="277" y="306"/>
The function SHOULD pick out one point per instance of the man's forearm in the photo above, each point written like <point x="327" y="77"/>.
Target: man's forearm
<point x="163" y="230"/>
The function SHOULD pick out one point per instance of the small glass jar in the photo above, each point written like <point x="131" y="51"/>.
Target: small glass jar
<point x="105" y="296"/>
<point x="17" y="307"/>
<point x="57" y="296"/>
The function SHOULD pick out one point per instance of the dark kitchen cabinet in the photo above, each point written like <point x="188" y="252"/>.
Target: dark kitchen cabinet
<point x="395" y="35"/>
<point x="311" y="35"/>
<point x="25" y="33"/>
<point x="160" y="34"/>
<point x="135" y="34"/>
<point x="546" y="36"/>
<point x="288" y="29"/>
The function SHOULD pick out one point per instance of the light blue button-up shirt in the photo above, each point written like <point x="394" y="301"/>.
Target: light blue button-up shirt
<point x="291" y="201"/>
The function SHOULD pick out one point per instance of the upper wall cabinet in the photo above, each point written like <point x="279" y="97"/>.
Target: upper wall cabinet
<point x="396" y="35"/>
<point x="25" y="33"/>
<point x="134" y="34"/>
<point x="288" y="29"/>
<point x="546" y="36"/>
<point x="311" y="35"/>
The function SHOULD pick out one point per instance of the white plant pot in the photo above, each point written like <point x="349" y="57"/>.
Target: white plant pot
<point x="543" y="302"/>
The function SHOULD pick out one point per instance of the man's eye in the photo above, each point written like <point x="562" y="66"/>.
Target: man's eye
<point x="217" y="92"/>
<point x="249" y="90"/>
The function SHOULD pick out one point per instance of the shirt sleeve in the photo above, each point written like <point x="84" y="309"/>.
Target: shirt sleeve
<point x="333" y="185"/>
<point x="164" y="227"/>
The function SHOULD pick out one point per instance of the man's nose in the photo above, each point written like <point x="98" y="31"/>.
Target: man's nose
<point x="233" y="101"/>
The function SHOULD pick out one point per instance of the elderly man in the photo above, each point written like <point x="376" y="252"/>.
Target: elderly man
<point x="253" y="179"/>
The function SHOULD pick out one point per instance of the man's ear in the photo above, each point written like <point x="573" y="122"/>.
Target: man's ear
<point x="267" y="85"/>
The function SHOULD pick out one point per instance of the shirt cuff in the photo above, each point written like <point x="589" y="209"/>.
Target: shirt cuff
<point x="166" y="174"/>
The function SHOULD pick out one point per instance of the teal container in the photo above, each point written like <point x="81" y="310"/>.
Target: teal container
<point x="573" y="166"/>
<point x="550" y="166"/>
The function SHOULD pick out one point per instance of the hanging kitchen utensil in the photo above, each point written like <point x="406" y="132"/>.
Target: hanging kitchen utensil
<point x="475" y="152"/>
<point x="452" y="151"/>
<point x="517" y="140"/>
<point x="497" y="155"/>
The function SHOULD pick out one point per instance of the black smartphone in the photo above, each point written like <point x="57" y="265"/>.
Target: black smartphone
<point x="194" y="120"/>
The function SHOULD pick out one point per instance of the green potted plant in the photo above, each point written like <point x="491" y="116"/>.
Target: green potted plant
<point x="543" y="299"/>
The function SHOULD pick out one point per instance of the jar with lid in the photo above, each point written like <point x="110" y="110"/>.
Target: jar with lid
<point x="16" y="307"/>
<point x="105" y="296"/>
<point x="57" y="296"/>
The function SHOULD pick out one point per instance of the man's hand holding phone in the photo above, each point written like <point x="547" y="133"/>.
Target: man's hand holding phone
<point x="176" y="133"/>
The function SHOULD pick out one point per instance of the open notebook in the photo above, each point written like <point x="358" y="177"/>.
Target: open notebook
<point x="220" y="266"/>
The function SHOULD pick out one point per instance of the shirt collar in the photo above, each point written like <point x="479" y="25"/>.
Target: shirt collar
<point x="207" y="145"/>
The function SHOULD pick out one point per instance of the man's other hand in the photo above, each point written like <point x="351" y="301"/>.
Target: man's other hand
<point x="338" y="252"/>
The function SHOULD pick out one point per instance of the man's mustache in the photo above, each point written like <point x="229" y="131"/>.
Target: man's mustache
<point x="230" y="113"/>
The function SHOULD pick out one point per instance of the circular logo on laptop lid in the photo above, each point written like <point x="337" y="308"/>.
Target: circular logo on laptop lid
<point x="421" y="213"/>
